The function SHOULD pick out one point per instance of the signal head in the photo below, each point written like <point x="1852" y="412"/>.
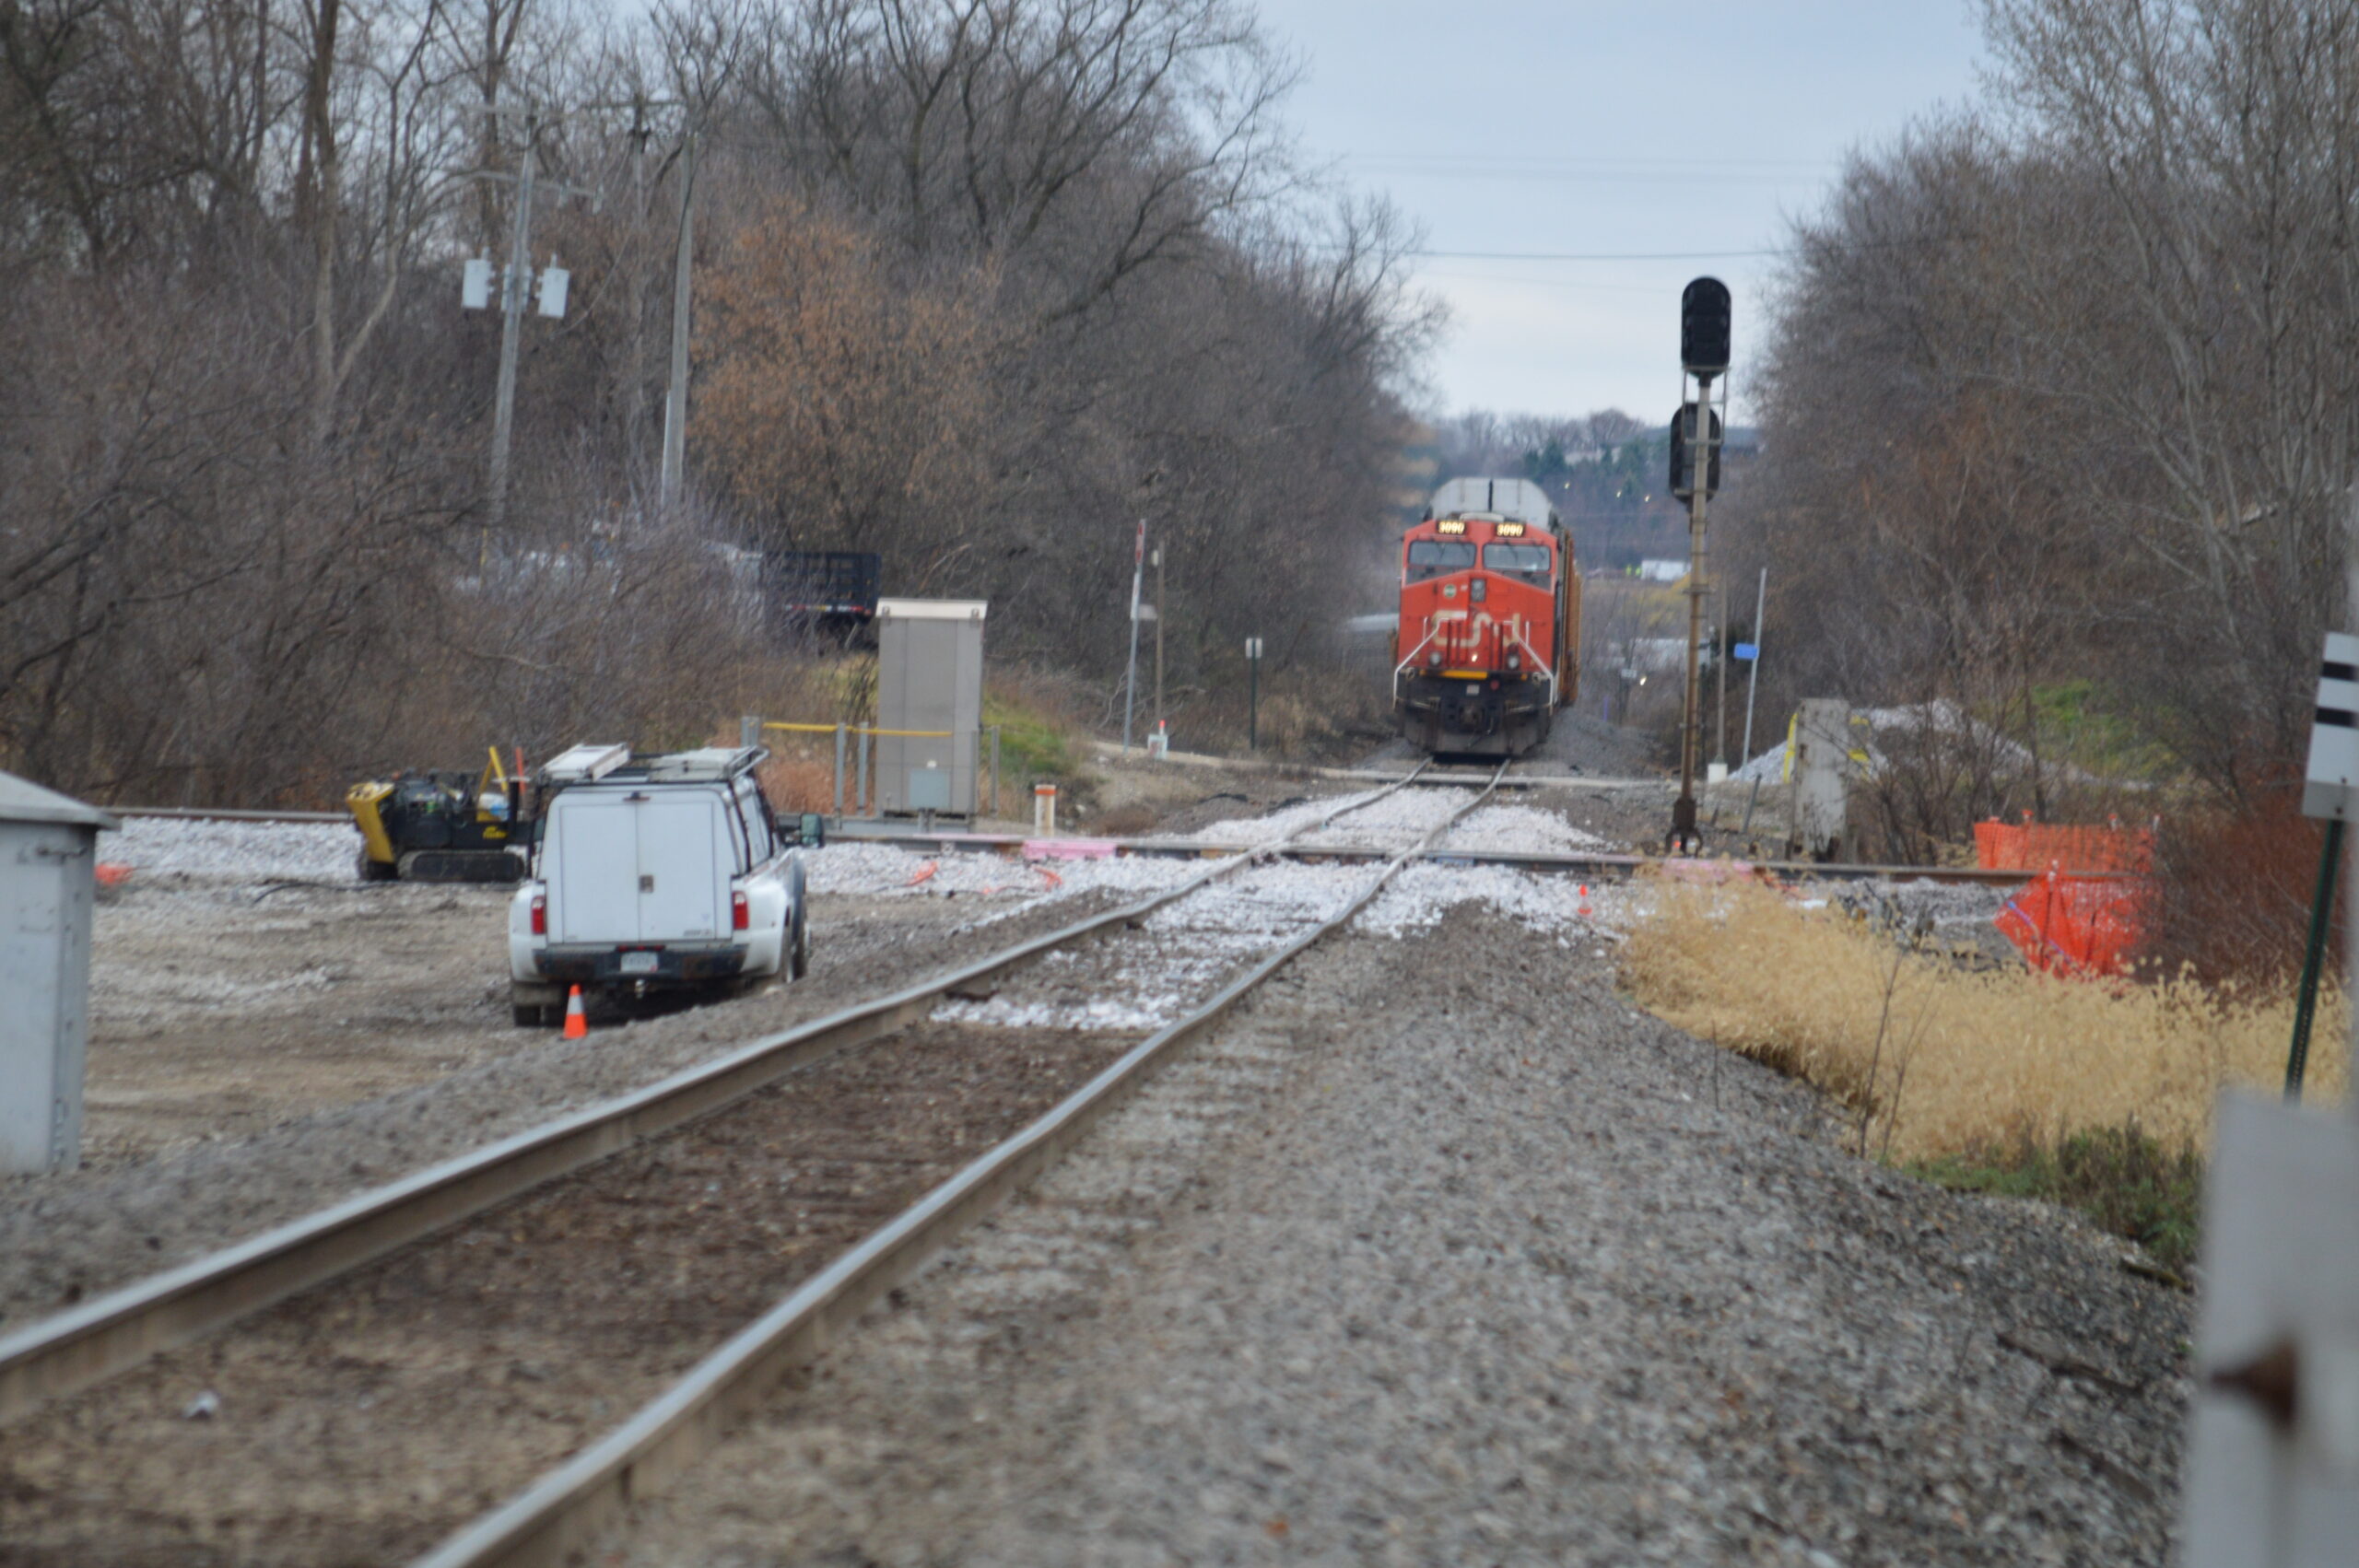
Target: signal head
<point x="1704" y="317"/>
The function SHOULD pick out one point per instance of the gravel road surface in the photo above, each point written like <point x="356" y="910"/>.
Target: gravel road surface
<point x="1439" y="1253"/>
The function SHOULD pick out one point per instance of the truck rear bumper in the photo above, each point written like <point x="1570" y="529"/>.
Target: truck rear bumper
<point x="675" y="965"/>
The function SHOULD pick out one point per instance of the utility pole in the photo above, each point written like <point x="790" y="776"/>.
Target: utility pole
<point x="635" y="403"/>
<point x="512" y="286"/>
<point x="1158" y="638"/>
<point x="675" y="397"/>
<point x="1702" y="354"/>
<point x="1130" y="682"/>
<point x="1753" y="679"/>
<point x="515" y="293"/>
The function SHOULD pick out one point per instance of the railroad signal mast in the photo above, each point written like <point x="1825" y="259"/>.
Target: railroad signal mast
<point x="1695" y="434"/>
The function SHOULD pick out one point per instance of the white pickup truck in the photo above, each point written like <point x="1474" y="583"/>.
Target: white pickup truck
<point x="654" y="873"/>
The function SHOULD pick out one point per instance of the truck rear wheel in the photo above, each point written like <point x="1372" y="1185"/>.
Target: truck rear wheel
<point x="798" y="963"/>
<point x="531" y="1006"/>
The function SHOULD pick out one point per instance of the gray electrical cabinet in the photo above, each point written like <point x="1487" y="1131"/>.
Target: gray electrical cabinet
<point x="1822" y="771"/>
<point x="48" y="860"/>
<point x="929" y="677"/>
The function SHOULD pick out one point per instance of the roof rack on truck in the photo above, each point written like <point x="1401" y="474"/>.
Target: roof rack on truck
<point x="710" y="764"/>
<point x="706" y="764"/>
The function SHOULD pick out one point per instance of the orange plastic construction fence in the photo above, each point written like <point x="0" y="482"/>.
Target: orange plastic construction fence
<point x="2068" y="924"/>
<point x="2037" y="846"/>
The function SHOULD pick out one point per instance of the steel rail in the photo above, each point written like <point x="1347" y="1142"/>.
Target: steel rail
<point x="559" y="1513"/>
<point x="85" y="1344"/>
<point x="227" y="814"/>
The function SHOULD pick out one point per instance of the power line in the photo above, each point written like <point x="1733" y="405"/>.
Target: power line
<point x="1581" y="283"/>
<point x="1674" y="255"/>
<point x="1542" y="163"/>
<point x="1592" y="255"/>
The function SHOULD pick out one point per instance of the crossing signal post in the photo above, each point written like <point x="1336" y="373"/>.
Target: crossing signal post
<point x="1696" y="431"/>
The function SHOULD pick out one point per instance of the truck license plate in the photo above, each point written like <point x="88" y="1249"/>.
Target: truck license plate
<point x="639" y="963"/>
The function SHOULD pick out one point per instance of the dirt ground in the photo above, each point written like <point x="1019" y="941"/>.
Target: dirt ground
<point x="216" y="1013"/>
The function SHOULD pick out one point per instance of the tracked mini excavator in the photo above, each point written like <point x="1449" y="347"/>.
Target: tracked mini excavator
<point x="443" y="824"/>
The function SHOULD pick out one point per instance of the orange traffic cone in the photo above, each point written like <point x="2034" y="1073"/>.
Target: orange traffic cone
<point x="1585" y="909"/>
<point x="577" y="1022"/>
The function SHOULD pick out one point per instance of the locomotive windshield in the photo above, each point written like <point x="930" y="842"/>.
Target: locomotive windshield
<point x="1431" y="557"/>
<point x="1529" y="561"/>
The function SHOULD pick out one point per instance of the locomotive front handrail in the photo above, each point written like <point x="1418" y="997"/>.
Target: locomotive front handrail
<point x="1537" y="663"/>
<point x="1433" y="631"/>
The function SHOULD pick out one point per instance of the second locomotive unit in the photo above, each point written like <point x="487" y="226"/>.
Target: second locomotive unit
<point x="1488" y="644"/>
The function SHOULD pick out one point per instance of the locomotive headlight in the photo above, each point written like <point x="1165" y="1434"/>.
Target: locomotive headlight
<point x="1434" y="658"/>
<point x="1515" y="659"/>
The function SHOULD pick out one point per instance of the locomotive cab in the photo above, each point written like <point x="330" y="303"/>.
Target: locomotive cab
<point x="1489" y="619"/>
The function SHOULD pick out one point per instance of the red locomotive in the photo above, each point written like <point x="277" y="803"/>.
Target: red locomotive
<point x="1489" y="641"/>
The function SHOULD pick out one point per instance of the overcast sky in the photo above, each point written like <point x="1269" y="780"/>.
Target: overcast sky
<point x="1564" y="127"/>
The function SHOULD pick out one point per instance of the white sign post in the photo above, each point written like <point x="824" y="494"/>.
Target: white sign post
<point x="2274" y="1453"/>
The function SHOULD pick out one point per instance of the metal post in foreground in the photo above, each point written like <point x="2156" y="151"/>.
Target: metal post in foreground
<point x="1158" y="639"/>
<point x="840" y="772"/>
<point x="1131" y="681"/>
<point x="999" y="799"/>
<point x="749" y="731"/>
<point x="860" y="790"/>
<point x="2313" y="960"/>
<point x="1753" y="680"/>
<point x="2330" y="791"/>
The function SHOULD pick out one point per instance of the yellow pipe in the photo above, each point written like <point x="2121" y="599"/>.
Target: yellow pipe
<point x="864" y="730"/>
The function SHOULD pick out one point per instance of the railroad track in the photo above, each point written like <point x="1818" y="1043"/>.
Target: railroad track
<point x="700" y="1227"/>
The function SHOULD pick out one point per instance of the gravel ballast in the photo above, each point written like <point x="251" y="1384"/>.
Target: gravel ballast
<point x="1440" y="1253"/>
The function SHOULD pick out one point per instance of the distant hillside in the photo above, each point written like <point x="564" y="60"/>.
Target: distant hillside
<point x="1607" y="473"/>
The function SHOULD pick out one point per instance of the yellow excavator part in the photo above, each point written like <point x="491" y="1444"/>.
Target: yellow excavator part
<point x="361" y="800"/>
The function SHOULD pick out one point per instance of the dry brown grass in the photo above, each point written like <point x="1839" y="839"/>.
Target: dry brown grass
<point x="800" y="784"/>
<point x="1933" y="1060"/>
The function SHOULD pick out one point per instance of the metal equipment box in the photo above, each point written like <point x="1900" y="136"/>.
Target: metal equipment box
<point x="48" y="861"/>
<point x="929" y="678"/>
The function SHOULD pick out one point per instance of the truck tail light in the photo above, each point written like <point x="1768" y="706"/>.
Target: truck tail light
<point x="740" y="916"/>
<point x="540" y="914"/>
